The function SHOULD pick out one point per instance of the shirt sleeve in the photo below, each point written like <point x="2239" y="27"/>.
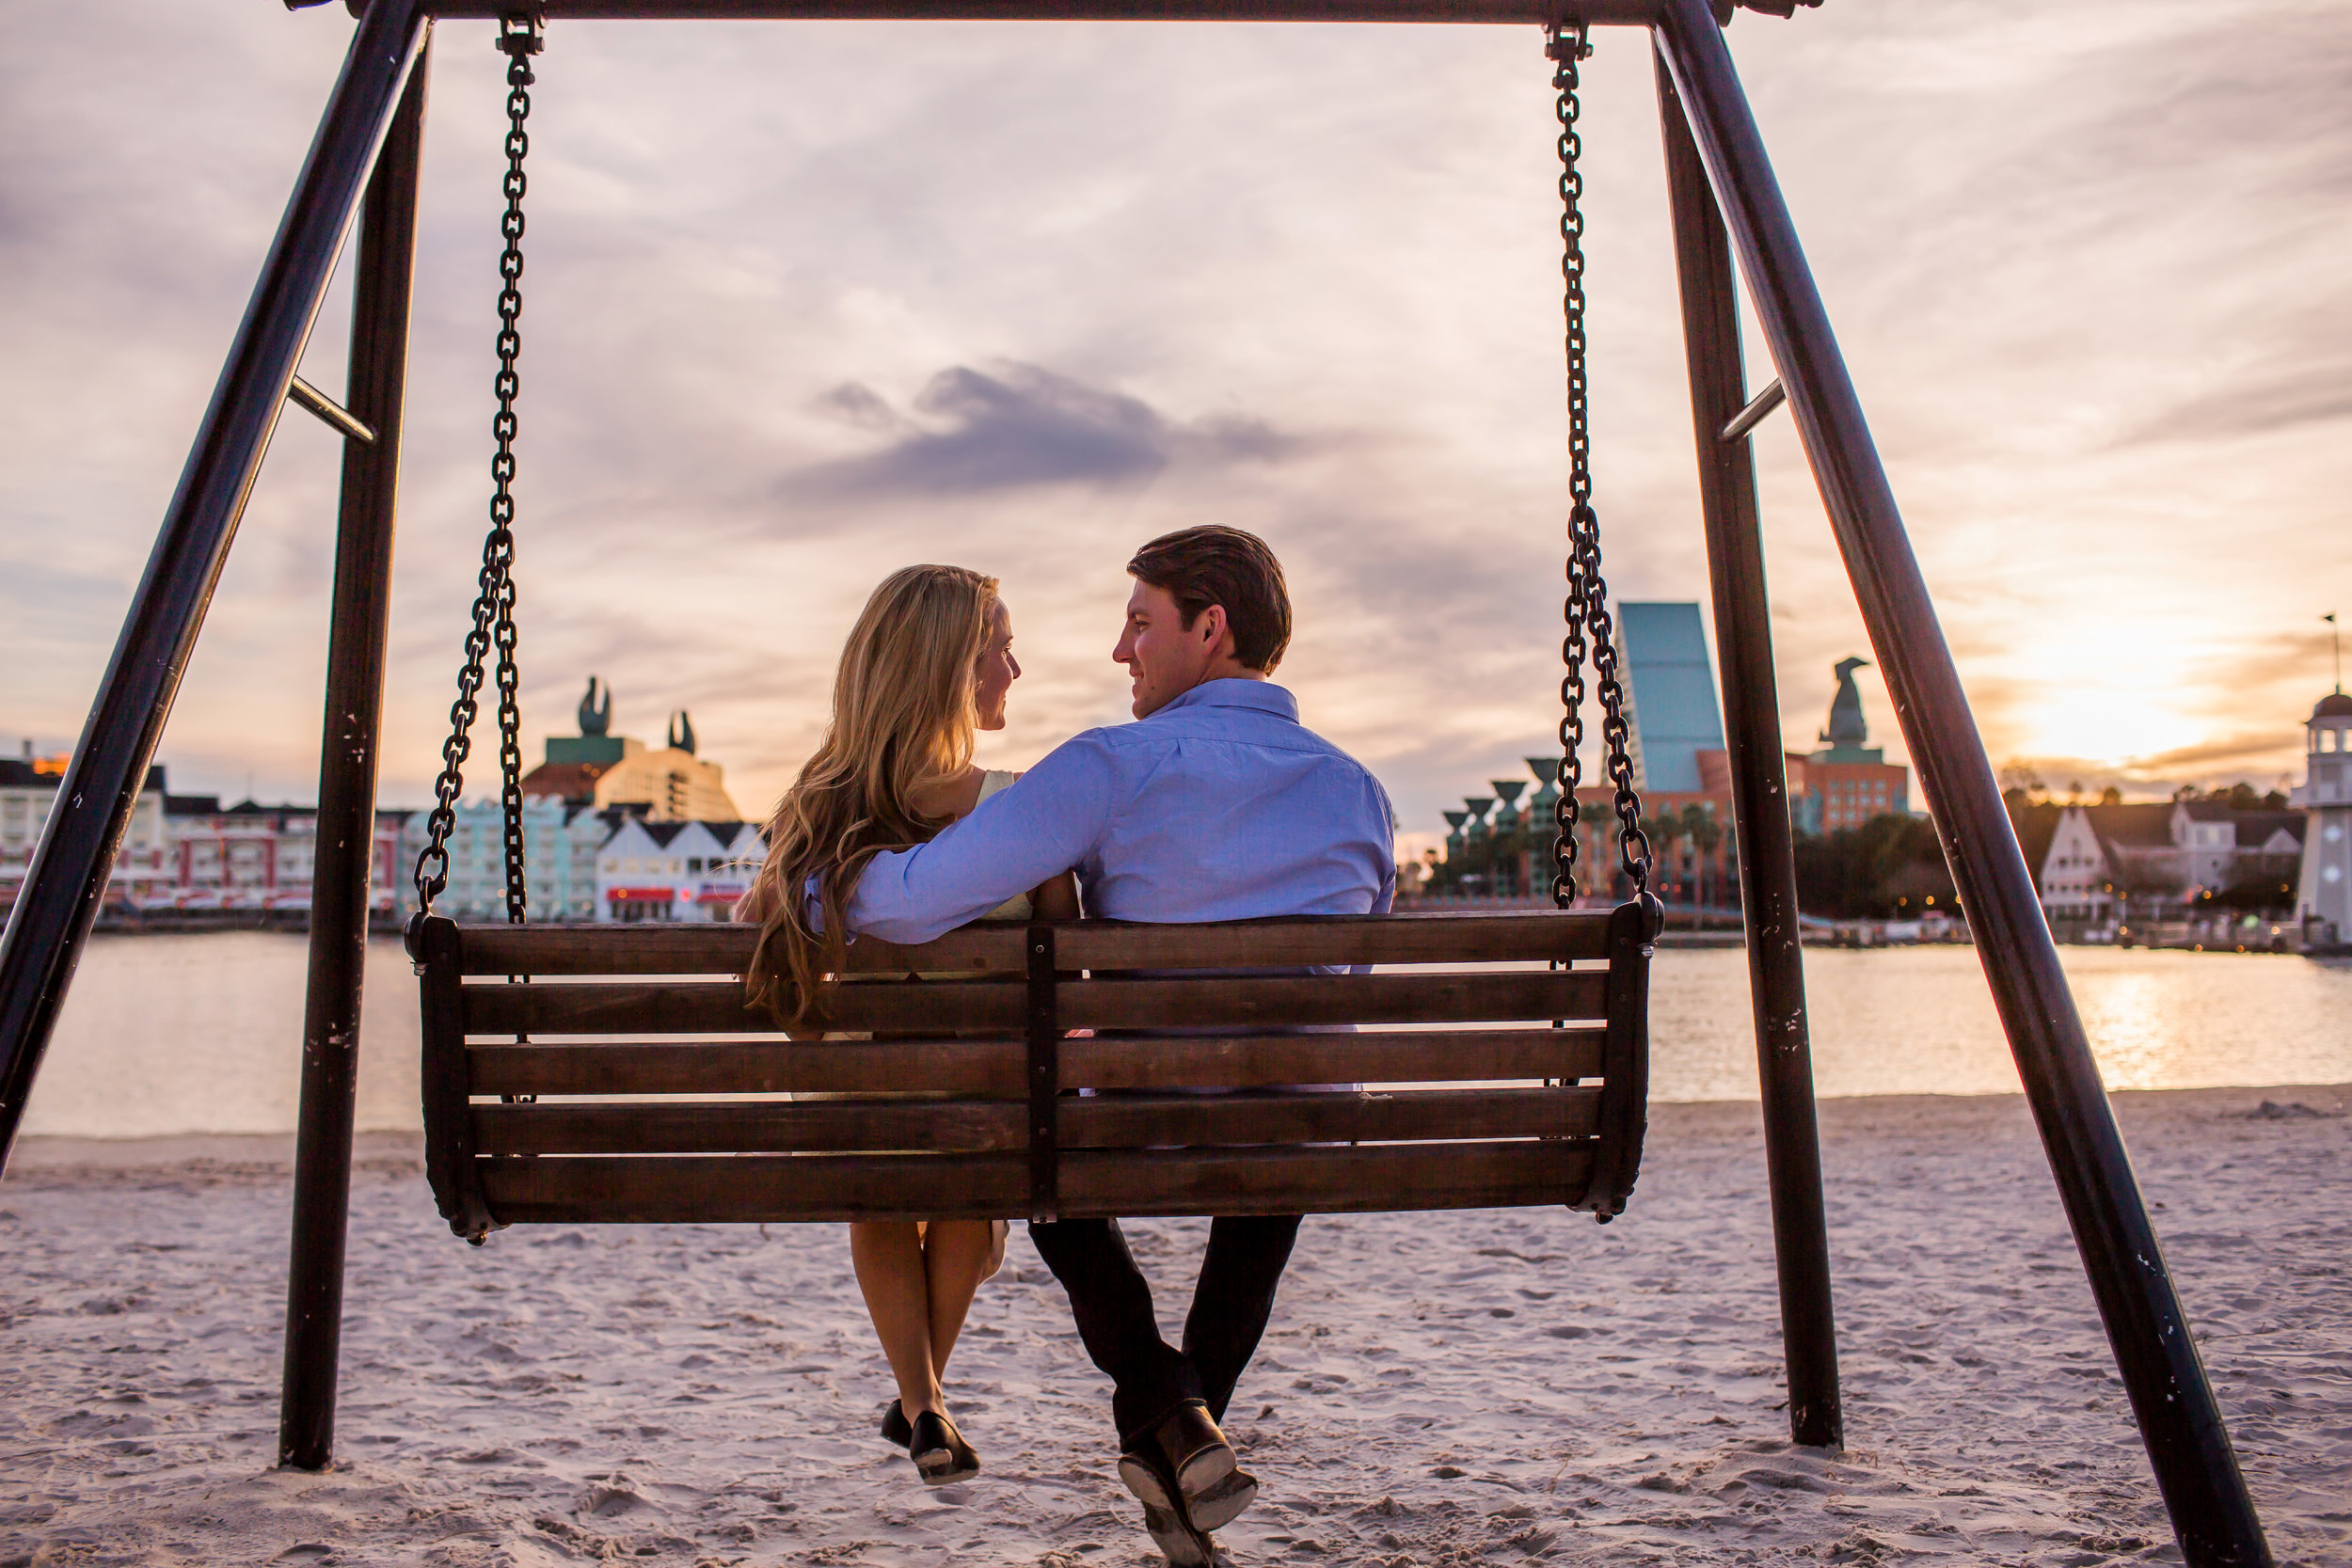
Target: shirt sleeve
<point x="1039" y="827"/>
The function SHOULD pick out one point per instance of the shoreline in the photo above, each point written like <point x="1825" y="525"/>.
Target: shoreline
<point x="387" y="1150"/>
<point x="1434" y="1391"/>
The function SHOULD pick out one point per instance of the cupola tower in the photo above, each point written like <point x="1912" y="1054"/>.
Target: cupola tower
<point x="2324" y="893"/>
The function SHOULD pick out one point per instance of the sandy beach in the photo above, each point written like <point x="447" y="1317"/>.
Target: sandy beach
<point x="1437" y="1389"/>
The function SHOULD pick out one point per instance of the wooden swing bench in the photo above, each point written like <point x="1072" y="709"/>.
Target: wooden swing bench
<point x="649" y="1071"/>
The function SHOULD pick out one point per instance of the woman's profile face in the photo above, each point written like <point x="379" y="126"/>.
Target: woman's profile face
<point x="998" y="668"/>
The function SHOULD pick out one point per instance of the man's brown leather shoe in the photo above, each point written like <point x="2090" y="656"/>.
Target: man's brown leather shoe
<point x="1182" y="1542"/>
<point x="1215" y="1487"/>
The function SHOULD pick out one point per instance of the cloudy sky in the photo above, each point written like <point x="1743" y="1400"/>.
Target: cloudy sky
<point x="806" y="302"/>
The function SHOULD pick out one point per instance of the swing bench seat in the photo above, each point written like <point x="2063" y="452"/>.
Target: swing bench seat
<point x="661" y="1098"/>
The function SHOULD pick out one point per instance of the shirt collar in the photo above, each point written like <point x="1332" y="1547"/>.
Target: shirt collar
<point x="1264" y="696"/>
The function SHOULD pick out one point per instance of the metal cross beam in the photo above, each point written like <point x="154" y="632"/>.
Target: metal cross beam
<point x="1596" y="13"/>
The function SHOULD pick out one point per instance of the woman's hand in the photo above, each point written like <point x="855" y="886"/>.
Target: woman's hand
<point x="1057" y="898"/>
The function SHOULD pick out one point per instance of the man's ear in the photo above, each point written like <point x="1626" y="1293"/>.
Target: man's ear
<point x="1212" y="629"/>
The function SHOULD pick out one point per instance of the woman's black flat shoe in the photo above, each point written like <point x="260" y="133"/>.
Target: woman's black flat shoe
<point x="939" y="1452"/>
<point x="895" y="1428"/>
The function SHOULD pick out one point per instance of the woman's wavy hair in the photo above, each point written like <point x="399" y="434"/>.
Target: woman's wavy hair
<point x="904" y="716"/>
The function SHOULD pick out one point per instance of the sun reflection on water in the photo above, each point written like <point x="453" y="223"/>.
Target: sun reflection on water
<point x="1920" y="1020"/>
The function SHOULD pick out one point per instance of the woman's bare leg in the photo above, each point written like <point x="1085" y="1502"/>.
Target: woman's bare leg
<point x="954" y="1255"/>
<point x="892" y="1273"/>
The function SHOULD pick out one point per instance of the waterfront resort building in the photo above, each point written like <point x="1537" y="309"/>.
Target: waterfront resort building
<point x="600" y="771"/>
<point x="255" y="860"/>
<point x="1678" y="739"/>
<point x="604" y="817"/>
<point x="1846" y="783"/>
<point x="600" y="815"/>
<point x="187" y="858"/>
<point x="1498" y="844"/>
<point x="1678" y="725"/>
<point x="2324" y="902"/>
<point x="559" y="843"/>
<point x="28" y="787"/>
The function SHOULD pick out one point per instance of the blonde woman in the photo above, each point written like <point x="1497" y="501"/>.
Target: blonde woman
<point x="928" y="665"/>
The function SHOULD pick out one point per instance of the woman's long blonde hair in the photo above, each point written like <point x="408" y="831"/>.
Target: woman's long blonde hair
<point x="904" y="716"/>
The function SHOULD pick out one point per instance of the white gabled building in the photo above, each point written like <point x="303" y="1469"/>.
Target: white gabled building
<point x="2167" y="859"/>
<point x="676" y="871"/>
<point x="2075" y="879"/>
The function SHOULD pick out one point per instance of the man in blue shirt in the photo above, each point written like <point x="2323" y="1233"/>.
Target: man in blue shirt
<point x="1217" y="804"/>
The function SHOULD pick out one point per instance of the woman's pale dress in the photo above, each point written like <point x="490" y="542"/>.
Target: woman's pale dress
<point x="1018" y="907"/>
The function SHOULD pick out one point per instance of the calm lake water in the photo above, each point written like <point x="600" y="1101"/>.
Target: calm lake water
<point x="169" y="1035"/>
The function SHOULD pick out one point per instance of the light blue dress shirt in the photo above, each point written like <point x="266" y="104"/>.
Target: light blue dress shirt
<point x="1219" y="806"/>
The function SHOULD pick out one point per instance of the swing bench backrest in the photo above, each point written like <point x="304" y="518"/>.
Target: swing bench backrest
<point x="661" y="1097"/>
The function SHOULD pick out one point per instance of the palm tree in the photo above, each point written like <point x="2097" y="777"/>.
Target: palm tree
<point x="1662" y="831"/>
<point x="1700" y="827"/>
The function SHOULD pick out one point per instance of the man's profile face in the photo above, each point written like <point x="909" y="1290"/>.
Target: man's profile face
<point x="1163" y="658"/>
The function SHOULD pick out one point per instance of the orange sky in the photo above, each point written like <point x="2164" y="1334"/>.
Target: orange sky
<point x="809" y="302"/>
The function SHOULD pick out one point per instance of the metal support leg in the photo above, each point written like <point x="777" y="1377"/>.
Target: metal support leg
<point x="69" y="869"/>
<point x="347" y="758"/>
<point x="2179" y="1420"/>
<point x="1759" y="790"/>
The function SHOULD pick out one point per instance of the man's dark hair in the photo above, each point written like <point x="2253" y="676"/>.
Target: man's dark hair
<point x="1215" y="564"/>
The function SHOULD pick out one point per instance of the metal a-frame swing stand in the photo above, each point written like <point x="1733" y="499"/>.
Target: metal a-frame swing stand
<point x="1723" y="198"/>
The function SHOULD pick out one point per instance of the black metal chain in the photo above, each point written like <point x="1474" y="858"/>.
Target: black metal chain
<point x="493" y="626"/>
<point x="519" y="39"/>
<point x="1589" y="630"/>
<point x="1615" y="730"/>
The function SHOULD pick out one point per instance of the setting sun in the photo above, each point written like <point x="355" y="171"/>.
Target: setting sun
<point x="2109" y="722"/>
<point x="2100" y="689"/>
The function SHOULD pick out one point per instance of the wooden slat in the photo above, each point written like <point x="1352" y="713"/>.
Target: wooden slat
<point x="1450" y="996"/>
<point x="985" y="1126"/>
<point x="623" y="1189"/>
<point x="1150" y="1120"/>
<point x="717" y="949"/>
<point x="935" y="1126"/>
<point x="716" y="1007"/>
<point x="1365" y="1179"/>
<point x="702" y="1188"/>
<point x="1453" y="996"/>
<point x="994" y="946"/>
<point x="1242" y="1061"/>
<point x="992" y="1068"/>
<point x="1483" y="937"/>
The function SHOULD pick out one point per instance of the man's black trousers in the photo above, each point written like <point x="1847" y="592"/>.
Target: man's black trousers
<point x="1113" y="1306"/>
